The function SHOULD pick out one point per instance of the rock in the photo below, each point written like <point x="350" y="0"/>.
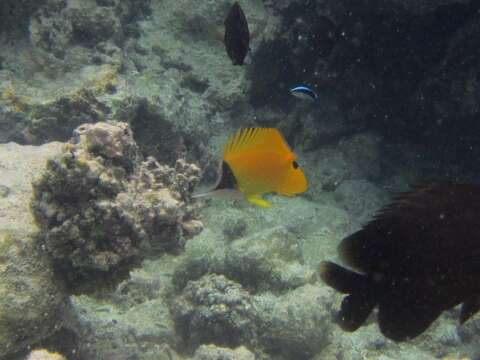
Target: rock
<point x="266" y="260"/>
<point x="101" y="209"/>
<point x="49" y="30"/>
<point x="32" y="297"/>
<point x="44" y="355"/>
<point x="424" y="6"/>
<point x="449" y="93"/>
<point x="234" y="228"/>
<point x="92" y="27"/>
<point x="172" y="99"/>
<point x="212" y="352"/>
<point x="113" y="330"/>
<point x="289" y="318"/>
<point x="276" y="252"/>
<point x="134" y="318"/>
<point x="330" y="224"/>
<point x="166" y="353"/>
<point x="33" y="116"/>
<point x="372" y="64"/>
<point x="362" y="151"/>
<point x="4" y="191"/>
<point x="298" y="324"/>
<point x="361" y="199"/>
<point x="356" y="156"/>
<point x="19" y="166"/>
<point x="14" y="15"/>
<point x="56" y="26"/>
<point x="70" y="72"/>
<point x="215" y="310"/>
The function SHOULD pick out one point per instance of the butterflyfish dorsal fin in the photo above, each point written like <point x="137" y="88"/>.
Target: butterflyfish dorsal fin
<point x="258" y="139"/>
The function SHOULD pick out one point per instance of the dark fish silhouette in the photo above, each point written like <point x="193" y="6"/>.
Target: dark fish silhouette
<point x="417" y="258"/>
<point x="237" y="35"/>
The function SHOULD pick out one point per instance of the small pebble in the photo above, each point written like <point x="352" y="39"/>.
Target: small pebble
<point x="234" y="229"/>
<point x="4" y="191"/>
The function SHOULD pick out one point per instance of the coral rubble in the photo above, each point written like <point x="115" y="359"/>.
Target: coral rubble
<point x="101" y="209"/>
<point x="215" y="309"/>
<point x="211" y="352"/>
<point x="44" y="355"/>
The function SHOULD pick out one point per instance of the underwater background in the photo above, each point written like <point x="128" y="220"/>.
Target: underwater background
<point x="113" y="113"/>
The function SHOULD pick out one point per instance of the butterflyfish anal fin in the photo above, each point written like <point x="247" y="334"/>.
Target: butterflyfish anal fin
<point x="259" y="201"/>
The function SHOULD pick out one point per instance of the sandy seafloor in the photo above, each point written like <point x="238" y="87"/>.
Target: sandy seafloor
<point x="131" y="273"/>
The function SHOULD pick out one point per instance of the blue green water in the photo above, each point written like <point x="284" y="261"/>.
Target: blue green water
<point x="117" y="111"/>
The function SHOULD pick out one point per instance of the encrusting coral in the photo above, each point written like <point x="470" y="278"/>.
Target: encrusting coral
<point x="102" y="209"/>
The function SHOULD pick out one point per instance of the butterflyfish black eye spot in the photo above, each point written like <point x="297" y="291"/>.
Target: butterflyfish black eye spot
<point x="295" y="165"/>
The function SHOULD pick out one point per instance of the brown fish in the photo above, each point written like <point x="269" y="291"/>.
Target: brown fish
<point x="237" y="34"/>
<point x="417" y="258"/>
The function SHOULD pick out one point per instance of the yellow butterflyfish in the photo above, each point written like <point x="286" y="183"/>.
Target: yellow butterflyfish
<point x="257" y="161"/>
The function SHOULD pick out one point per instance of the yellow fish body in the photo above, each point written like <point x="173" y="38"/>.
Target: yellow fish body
<point x="257" y="161"/>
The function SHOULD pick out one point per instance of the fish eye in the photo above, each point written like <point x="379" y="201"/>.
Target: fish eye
<point x="295" y="165"/>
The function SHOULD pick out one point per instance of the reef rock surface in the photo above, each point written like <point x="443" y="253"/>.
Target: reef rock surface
<point x="32" y="298"/>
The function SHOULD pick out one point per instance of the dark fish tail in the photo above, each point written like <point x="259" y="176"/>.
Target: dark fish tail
<point x="361" y="299"/>
<point x="407" y="310"/>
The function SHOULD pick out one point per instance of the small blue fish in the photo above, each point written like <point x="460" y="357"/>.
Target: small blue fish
<point x="304" y="92"/>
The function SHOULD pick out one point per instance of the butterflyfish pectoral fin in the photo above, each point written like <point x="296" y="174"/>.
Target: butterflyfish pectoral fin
<point x="259" y="201"/>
